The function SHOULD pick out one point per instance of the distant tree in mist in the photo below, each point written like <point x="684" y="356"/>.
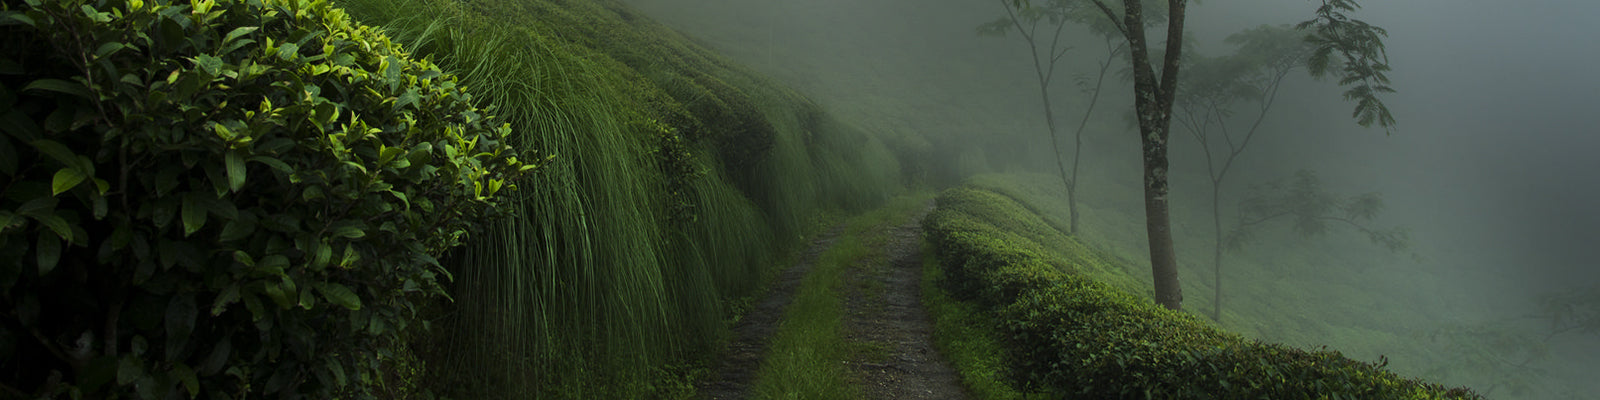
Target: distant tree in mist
<point x="1496" y="357"/>
<point x="1221" y="103"/>
<point x="1048" y="51"/>
<point x="1346" y="48"/>
<point x="1505" y="356"/>
<point x="1575" y="311"/>
<point x="1311" y="211"/>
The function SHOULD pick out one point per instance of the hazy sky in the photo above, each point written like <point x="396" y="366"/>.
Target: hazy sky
<point x="1493" y="163"/>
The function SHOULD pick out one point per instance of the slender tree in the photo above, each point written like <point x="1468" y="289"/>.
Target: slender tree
<point x="1357" y="47"/>
<point x="1047" y="53"/>
<point x="1153" y="93"/>
<point x="1113" y="49"/>
<point x="1207" y="102"/>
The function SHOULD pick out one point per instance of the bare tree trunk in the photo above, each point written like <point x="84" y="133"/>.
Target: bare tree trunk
<point x="1216" y="251"/>
<point x="1077" y="149"/>
<point x="1153" y="101"/>
<point x="1061" y="167"/>
<point x="1158" y="223"/>
<point x="1072" y="203"/>
<point x="1045" y="70"/>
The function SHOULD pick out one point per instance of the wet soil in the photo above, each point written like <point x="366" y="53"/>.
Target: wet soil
<point x="885" y="322"/>
<point x="886" y="317"/>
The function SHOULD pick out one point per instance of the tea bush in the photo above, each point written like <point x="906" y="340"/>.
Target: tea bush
<point x="224" y="198"/>
<point x="1075" y="337"/>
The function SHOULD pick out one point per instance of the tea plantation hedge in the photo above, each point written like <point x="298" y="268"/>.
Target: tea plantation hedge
<point x="223" y="198"/>
<point x="1074" y="337"/>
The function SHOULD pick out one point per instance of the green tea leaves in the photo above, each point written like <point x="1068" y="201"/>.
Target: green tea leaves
<point x="266" y="142"/>
<point x="194" y="213"/>
<point x="289" y="51"/>
<point x="47" y="252"/>
<point x="180" y="319"/>
<point x="236" y="171"/>
<point x="66" y="179"/>
<point x="56" y="151"/>
<point x="60" y="86"/>
<point x="228" y="296"/>
<point x="341" y="295"/>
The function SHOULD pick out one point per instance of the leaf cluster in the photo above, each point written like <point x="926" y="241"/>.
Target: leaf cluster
<point x="224" y="198"/>
<point x="1358" y="50"/>
<point x="1078" y="338"/>
<point x="1265" y="53"/>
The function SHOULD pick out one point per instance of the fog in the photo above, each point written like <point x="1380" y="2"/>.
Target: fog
<point x="1492" y="165"/>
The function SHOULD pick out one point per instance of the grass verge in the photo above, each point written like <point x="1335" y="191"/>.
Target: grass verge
<point x="965" y="335"/>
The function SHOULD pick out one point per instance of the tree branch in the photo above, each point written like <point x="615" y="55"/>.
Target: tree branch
<point x="1113" y="17"/>
<point x="1169" y="70"/>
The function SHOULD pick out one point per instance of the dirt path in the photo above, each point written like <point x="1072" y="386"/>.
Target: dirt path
<point x="886" y="313"/>
<point x="884" y="316"/>
<point x="732" y="379"/>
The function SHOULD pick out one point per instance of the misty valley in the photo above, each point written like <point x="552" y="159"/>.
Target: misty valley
<point x="777" y="199"/>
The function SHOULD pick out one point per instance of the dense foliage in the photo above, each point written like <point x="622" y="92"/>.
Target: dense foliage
<point x="223" y="199"/>
<point x="682" y="178"/>
<point x="1071" y="335"/>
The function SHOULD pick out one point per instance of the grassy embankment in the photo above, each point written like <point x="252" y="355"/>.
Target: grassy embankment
<point x="678" y="179"/>
<point x="1061" y="321"/>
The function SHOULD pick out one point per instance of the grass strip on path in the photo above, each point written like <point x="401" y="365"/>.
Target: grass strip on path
<point x="807" y="356"/>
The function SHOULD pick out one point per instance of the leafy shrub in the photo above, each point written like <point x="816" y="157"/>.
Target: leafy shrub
<point x="223" y="198"/>
<point x="1079" y="338"/>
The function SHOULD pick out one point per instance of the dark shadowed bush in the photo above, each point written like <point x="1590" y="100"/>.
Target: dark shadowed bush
<point x="1074" y="337"/>
<point x="223" y="199"/>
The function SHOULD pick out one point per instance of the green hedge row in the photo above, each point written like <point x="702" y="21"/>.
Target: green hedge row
<point x="1075" y="337"/>
<point x="223" y="198"/>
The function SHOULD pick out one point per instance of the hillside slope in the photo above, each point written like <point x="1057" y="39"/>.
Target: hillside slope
<point x="677" y="177"/>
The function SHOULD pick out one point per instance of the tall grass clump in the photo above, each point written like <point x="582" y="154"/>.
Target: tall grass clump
<point x="676" y="177"/>
<point x="576" y="279"/>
